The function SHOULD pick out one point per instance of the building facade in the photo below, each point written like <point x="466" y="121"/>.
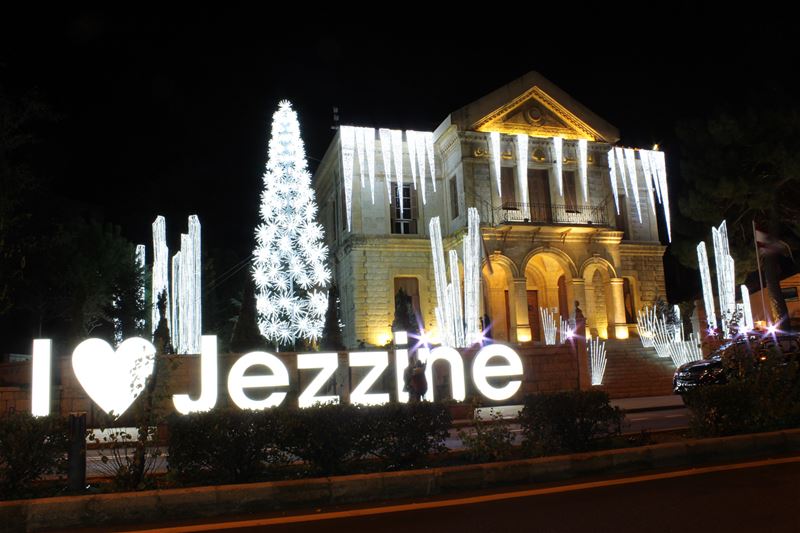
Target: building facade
<point x="565" y="215"/>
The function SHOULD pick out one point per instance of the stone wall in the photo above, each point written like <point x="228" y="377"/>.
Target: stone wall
<point x="644" y="263"/>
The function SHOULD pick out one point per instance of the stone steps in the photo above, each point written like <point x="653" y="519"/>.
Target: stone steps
<point x="635" y="371"/>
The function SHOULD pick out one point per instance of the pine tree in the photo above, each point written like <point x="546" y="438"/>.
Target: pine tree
<point x="246" y="335"/>
<point x="289" y="259"/>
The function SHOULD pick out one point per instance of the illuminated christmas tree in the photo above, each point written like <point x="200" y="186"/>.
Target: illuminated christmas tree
<point x="289" y="259"/>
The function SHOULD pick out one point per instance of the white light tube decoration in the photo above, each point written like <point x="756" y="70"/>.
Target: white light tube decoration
<point x="194" y="302"/>
<point x="705" y="280"/>
<point x="397" y="153"/>
<point x="458" y="325"/>
<point x="472" y="278"/>
<point x="160" y="274"/>
<point x="369" y="149"/>
<point x="612" y="174"/>
<point x="726" y="289"/>
<point x="668" y="340"/>
<point x="289" y="260"/>
<point x="597" y="357"/>
<point x="431" y="157"/>
<point x="522" y="173"/>
<point x="564" y="331"/>
<point x="630" y="162"/>
<point x="749" y="324"/>
<point x="644" y="155"/>
<point x="661" y="173"/>
<point x="386" y="154"/>
<point x="620" y="157"/>
<point x="548" y="325"/>
<point x="558" y="162"/>
<point x="420" y="149"/>
<point x="411" y="142"/>
<point x="583" y="167"/>
<point x="174" y="326"/>
<point x="347" y="139"/>
<point x="40" y="377"/>
<point x="141" y="263"/>
<point x="644" y="323"/>
<point x="494" y="152"/>
<point x="362" y="165"/>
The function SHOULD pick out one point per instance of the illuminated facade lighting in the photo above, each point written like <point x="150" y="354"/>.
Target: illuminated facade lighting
<point x="431" y="159"/>
<point x="620" y="158"/>
<point x="369" y="150"/>
<point x="421" y="149"/>
<point x="494" y="151"/>
<point x="644" y="156"/>
<point x="397" y="153"/>
<point x="411" y="142"/>
<point x="661" y="172"/>
<point x="522" y="172"/>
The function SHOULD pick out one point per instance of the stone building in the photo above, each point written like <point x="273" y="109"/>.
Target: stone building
<point x="543" y="172"/>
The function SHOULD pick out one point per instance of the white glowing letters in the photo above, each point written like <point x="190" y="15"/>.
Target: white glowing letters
<point x="259" y="380"/>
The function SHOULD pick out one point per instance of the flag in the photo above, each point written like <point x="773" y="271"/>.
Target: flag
<point x="767" y="244"/>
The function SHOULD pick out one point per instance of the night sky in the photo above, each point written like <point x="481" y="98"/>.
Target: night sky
<point x="169" y="113"/>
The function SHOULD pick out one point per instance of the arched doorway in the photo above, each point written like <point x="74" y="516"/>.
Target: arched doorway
<point x="600" y="308"/>
<point x="498" y="297"/>
<point x="548" y="281"/>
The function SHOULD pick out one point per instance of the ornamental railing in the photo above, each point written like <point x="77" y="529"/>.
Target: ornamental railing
<point x="544" y="213"/>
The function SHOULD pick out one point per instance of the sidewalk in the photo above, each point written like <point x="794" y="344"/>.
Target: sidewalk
<point x="649" y="403"/>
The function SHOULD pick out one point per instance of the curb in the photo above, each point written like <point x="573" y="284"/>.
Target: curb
<point x="215" y="501"/>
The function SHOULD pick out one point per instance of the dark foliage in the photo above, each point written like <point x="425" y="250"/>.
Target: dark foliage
<point x="246" y="335"/>
<point x="29" y="448"/>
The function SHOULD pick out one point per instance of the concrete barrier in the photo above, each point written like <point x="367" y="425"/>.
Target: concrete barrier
<point x="205" y="502"/>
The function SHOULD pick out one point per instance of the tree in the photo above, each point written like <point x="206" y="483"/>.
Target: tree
<point x="289" y="259"/>
<point x="161" y="337"/>
<point x="332" y="334"/>
<point x="743" y="166"/>
<point x="246" y="335"/>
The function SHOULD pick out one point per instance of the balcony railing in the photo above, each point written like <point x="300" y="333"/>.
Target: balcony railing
<point x="543" y="213"/>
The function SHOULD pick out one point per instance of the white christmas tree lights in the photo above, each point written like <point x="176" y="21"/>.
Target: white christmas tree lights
<point x="289" y="259"/>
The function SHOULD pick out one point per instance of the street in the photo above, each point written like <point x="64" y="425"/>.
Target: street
<point x="755" y="496"/>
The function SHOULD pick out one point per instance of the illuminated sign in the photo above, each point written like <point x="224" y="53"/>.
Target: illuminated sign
<point x="114" y="379"/>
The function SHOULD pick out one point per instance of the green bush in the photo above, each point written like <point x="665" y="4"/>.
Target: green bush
<point x="30" y="447"/>
<point x="326" y="436"/>
<point x="492" y="440"/>
<point x="564" y="422"/>
<point x="226" y="445"/>
<point x="758" y="397"/>
<point x="403" y="435"/>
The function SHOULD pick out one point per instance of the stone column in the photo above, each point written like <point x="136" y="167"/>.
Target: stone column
<point x="520" y="304"/>
<point x="579" y="295"/>
<point x="617" y="312"/>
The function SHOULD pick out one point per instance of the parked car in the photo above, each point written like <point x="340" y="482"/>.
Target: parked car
<point x="712" y="371"/>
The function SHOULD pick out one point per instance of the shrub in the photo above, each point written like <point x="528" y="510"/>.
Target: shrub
<point x="573" y="421"/>
<point x="403" y="435"/>
<point x="326" y="436"/>
<point x="492" y="440"/>
<point x="226" y="445"/>
<point x="762" y="397"/>
<point x="29" y="448"/>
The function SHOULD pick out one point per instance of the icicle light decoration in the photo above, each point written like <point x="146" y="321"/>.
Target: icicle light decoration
<point x="558" y="163"/>
<point x="644" y="155"/>
<point x="421" y="150"/>
<point x="597" y="357"/>
<point x="749" y="324"/>
<point x="522" y="173"/>
<point x="494" y="151"/>
<point x="411" y="142"/>
<point x="458" y="325"/>
<point x="369" y="151"/>
<point x="620" y="157"/>
<point x="160" y="274"/>
<point x="612" y="174"/>
<point x="397" y="153"/>
<point x="431" y="158"/>
<point x="630" y="162"/>
<point x="705" y="280"/>
<point x="583" y="167"/>
<point x="548" y="325"/>
<point x="386" y="153"/>
<point x="141" y="265"/>
<point x="347" y="136"/>
<point x="661" y="172"/>
<point x="359" y="135"/>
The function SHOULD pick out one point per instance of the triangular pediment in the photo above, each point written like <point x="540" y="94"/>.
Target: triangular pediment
<point x="534" y="106"/>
